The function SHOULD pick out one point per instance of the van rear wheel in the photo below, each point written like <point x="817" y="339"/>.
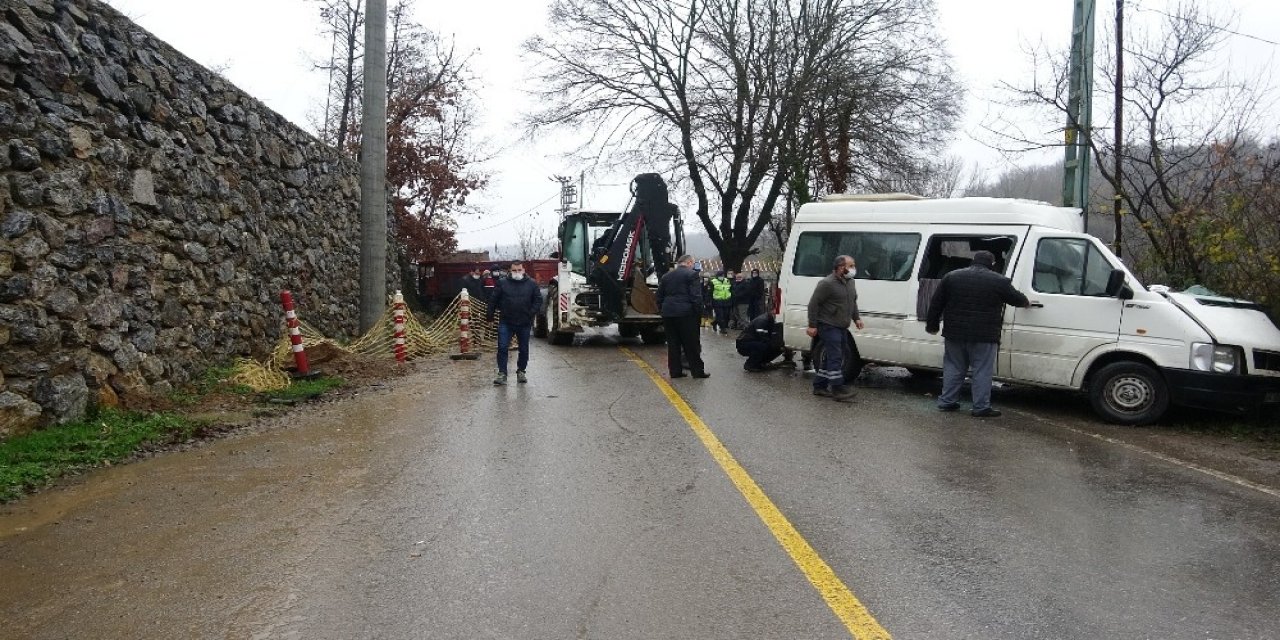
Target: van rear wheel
<point x="1129" y="393"/>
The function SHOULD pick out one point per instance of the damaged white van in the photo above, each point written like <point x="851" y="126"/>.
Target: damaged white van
<point x="1092" y="326"/>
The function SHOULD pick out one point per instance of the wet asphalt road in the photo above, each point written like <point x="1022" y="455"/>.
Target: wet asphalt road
<point x="582" y="505"/>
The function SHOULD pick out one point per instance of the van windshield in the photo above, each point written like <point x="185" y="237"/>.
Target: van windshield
<point x="879" y="256"/>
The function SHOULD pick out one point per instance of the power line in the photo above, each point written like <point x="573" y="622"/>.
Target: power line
<point x="1211" y="26"/>
<point x="512" y="218"/>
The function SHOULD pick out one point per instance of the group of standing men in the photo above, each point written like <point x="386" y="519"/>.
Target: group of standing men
<point x="968" y="308"/>
<point x="733" y="299"/>
<point x="480" y="283"/>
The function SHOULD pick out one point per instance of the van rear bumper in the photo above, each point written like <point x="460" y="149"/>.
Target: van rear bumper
<point x="1221" y="391"/>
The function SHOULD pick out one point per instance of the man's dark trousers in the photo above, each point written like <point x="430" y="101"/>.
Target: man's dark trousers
<point x="758" y="353"/>
<point x="722" y="309"/>
<point x="831" y="375"/>
<point x="683" y="342"/>
<point x="521" y="333"/>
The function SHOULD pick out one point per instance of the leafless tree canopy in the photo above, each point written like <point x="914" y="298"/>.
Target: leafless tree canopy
<point x="431" y="152"/>
<point x="735" y="97"/>
<point x="1188" y="128"/>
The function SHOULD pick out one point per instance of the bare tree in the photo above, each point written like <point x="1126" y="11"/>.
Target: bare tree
<point x="1185" y="119"/>
<point x="534" y="241"/>
<point x="344" y="23"/>
<point x="431" y="152"/>
<point x="721" y="92"/>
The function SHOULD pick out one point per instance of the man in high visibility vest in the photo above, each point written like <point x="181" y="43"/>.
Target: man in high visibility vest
<point x="721" y="301"/>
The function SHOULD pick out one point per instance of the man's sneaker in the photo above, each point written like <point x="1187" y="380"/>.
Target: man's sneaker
<point x="986" y="413"/>
<point x="501" y="379"/>
<point x="822" y="391"/>
<point x="521" y="377"/>
<point x="702" y="374"/>
<point x="842" y="394"/>
<point x="951" y="406"/>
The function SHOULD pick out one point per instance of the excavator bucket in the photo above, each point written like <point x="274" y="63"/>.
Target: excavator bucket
<point x="642" y="298"/>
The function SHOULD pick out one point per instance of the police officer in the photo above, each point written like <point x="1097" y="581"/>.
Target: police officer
<point x="721" y="301"/>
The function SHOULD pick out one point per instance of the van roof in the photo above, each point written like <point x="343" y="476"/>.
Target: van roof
<point x="901" y="208"/>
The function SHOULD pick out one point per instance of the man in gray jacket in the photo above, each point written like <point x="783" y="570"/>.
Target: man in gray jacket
<point x="833" y="306"/>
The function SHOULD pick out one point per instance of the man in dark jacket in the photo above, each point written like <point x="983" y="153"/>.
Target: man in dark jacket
<point x="970" y="302"/>
<point x="519" y="300"/>
<point x="832" y="308"/>
<point x="761" y="342"/>
<point x="741" y="301"/>
<point x="755" y="302"/>
<point x="680" y="302"/>
<point x="474" y="284"/>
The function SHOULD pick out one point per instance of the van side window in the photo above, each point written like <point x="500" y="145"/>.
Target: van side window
<point x="880" y="256"/>
<point x="946" y="253"/>
<point x="1071" y="266"/>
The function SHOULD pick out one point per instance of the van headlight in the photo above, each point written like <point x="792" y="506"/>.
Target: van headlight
<point x="1218" y="358"/>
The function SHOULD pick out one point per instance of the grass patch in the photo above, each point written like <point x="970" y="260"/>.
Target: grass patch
<point x="1261" y="430"/>
<point x="304" y="389"/>
<point x="36" y="459"/>
<point x="212" y="380"/>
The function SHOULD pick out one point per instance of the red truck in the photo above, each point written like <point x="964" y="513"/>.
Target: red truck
<point x="439" y="282"/>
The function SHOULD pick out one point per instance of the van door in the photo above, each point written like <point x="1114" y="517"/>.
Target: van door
<point x="1065" y="278"/>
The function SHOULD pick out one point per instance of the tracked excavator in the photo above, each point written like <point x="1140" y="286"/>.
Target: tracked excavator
<point x="610" y="263"/>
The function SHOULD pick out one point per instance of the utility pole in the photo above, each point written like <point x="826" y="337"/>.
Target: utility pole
<point x="568" y="194"/>
<point x="1117" y="202"/>
<point x="373" y="168"/>
<point x="1075" y="182"/>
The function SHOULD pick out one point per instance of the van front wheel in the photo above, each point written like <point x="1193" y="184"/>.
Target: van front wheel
<point x="1129" y="393"/>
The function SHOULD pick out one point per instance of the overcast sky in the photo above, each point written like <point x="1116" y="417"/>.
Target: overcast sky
<point x="268" y="47"/>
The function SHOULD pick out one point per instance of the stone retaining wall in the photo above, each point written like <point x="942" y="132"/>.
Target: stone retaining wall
<point x="150" y="214"/>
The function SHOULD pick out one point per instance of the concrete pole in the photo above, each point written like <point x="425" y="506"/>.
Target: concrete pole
<point x="1117" y="204"/>
<point x="373" y="168"/>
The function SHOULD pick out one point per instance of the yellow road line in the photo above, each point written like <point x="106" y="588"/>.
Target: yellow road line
<point x="846" y="606"/>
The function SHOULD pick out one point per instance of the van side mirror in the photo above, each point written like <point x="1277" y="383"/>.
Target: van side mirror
<point x="555" y="255"/>
<point x="1116" y="287"/>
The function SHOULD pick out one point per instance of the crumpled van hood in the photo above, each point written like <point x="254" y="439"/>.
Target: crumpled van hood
<point x="1231" y="321"/>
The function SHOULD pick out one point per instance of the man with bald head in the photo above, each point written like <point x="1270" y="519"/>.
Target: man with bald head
<point x="832" y="308"/>
<point x="969" y="304"/>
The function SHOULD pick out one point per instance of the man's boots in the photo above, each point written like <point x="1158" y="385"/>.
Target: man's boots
<point x="842" y="393"/>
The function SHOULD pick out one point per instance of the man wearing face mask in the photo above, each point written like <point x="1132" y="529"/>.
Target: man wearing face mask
<point x="832" y="308"/>
<point x="519" y="301"/>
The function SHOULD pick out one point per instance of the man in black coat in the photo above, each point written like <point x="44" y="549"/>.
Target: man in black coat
<point x="761" y="342"/>
<point x="756" y="301"/>
<point x="474" y="284"/>
<point x="680" y="301"/>
<point x="970" y="303"/>
<point x="519" y="300"/>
